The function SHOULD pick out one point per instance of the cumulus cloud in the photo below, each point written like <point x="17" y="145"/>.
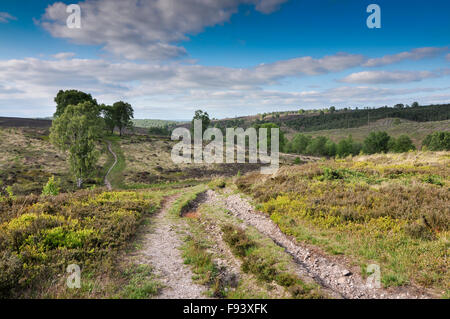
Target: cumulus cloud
<point x="5" y="17"/>
<point x="377" y="77"/>
<point x="145" y="29"/>
<point x="415" y="54"/>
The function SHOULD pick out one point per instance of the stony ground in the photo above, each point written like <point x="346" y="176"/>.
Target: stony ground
<point x="335" y="276"/>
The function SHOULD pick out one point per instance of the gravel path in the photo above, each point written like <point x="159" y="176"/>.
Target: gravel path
<point x="161" y="250"/>
<point x="331" y="273"/>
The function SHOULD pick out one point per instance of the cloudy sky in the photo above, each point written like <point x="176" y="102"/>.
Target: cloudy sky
<point x="229" y="57"/>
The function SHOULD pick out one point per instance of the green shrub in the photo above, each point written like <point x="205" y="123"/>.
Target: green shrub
<point x="437" y="141"/>
<point x="400" y="145"/>
<point x="376" y="142"/>
<point x="51" y="188"/>
<point x="237" y="239"/>
<point x="40" y="235"/>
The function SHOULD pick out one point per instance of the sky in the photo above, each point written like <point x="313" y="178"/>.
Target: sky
<point x="230" y="58"/>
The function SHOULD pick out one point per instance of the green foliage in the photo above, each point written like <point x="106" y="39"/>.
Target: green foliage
<point x="141" y="283"/>
<point x="269" y="127"/>
<point x="402" y="144"/>
<point x="202" y="116"/>
<point x="71" y="97"/>
<point x="437" y="141"/>
<point x="10" y="192"/>
<point x="163" y="131"/>
<point x="109" y="117"/>
<point x="39" y="236"/>
<point x="51" y="188"/>
<point x="347" y="147"/>
<point x="263" y="260"/>
<point x="237" y="239"/>
<point x="318" y="146"/>
<point x="376" y="142"/>
<point x="122" y="113"/>
<point x="147" y="123"/>
<point x="299" y="143"/>
<point x="77" y="131"/>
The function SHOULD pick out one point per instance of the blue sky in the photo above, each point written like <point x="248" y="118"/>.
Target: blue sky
<point x="232" y="57"/>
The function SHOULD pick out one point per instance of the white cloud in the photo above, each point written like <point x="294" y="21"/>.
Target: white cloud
<point x="175" y="90"/>
<point x="377" y="77"/>
<point x="5" y="17"/>
<point x="64" y="55"/>
<point x="415" y="54"/>
<point x="448" y="57"/>
<point x="148" y="30"/>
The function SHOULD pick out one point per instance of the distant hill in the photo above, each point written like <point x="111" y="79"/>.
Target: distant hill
<point x="308" y="121"/>
<point x="417" y="131"/>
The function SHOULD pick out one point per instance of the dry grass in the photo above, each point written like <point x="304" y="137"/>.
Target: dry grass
<point x="28" y="159"/>
<point x="390" y="209"/>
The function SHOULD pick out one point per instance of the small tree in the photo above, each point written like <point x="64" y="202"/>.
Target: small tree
<point x="71" y="97"/>
<point x="51" y="188"/>
<point x="299" y="143"/>
<point x="376" y="142"/>
<point x="318" y="146"/>
<point x="123" y="113"/>
<point x="437" y="141"/>
<point x="202" y="116"/>
<point x="109" y="117"/>
<point x="76" y="131"/>
<point x="402" y="144"/>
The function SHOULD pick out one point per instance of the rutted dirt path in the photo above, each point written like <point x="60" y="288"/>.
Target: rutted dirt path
<point x="161" y="251"/>
<point x="329" y="272"/>
<point x="107" y="182"/>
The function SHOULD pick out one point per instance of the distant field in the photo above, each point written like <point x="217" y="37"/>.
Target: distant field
<point x="417" y="131"/>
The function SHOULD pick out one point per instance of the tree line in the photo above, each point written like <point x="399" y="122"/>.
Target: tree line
<point x="80" y="123"/>
<point x="375" y="142"/>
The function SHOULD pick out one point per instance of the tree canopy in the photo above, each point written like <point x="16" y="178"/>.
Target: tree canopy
<point x="122" y="113"/>
<point x="202" y="116"/>
<point x="76" y="131"/>
<point x="71" y="97"/>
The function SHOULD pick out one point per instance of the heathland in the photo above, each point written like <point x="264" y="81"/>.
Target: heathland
<point x="309" y="231"/>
